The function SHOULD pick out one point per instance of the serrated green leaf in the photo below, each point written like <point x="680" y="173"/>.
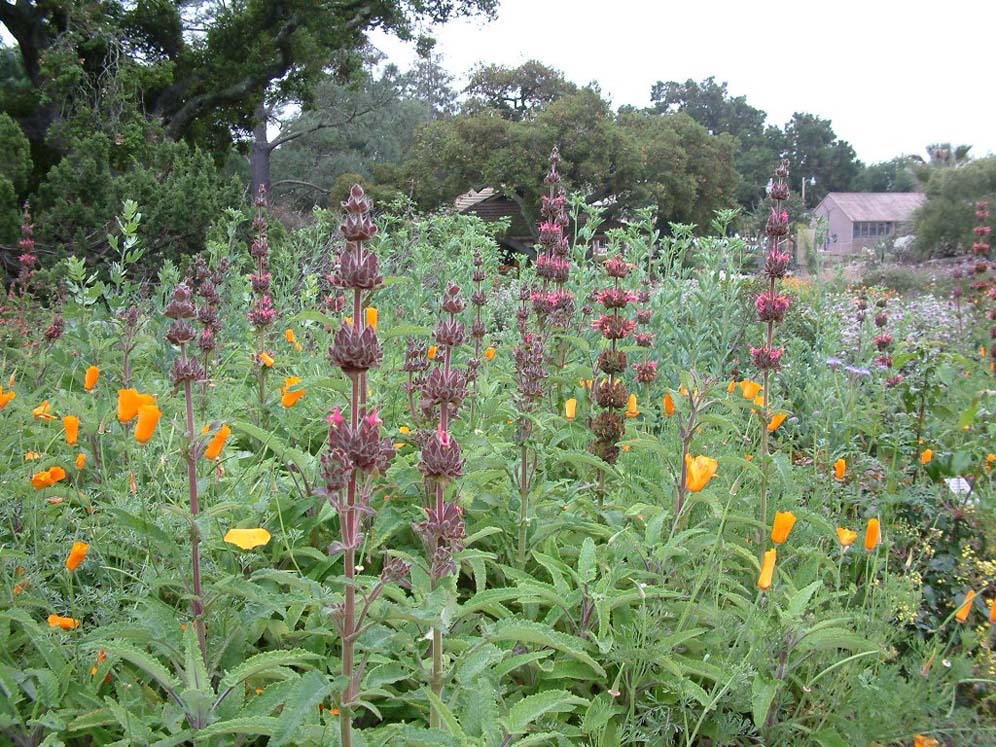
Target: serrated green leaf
<point x="532" y="707"/>
<point x="762" y="692"/>
<point x="261" y="663"/>
<point x="303" y="702"/>
<point x="147" y="663"/>
<point x="256" y="726"/>
<point x="452" y="725"/>
<point x="523" y="631"/>
<point x="586" y="561"/>
<point x="797" y="604"/>
<point x="195" y="671"/>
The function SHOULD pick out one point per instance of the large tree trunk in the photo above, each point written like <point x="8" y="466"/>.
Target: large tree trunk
<point x="259" y="157"/>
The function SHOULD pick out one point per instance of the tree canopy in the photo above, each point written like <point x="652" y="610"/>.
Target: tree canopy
<point x="625" y="161"/>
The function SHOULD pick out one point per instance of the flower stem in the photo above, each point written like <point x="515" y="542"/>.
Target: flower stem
<point x="523" y="504"/>
<point x="196" y="603"/>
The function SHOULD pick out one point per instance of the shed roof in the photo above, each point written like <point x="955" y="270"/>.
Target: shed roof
<point x="876" y="206"/>
<point x="468" y="199"/>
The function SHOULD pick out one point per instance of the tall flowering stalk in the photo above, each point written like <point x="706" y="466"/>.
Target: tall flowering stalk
<point x="553" y="302"/>
<point x="442" y="390"/>
<point x="531" y="373"/>
<point x="262" y="314"/>
<point x="771" y="307"/>
<point x="187" y="370"/>
<point x="208" y="280"/>
<point x="27" y="258"/>
<point x="610" y="393"/>
<point x="478" y="300"/>
<point x="645" y="370"/>
<point x="356" y="451"/>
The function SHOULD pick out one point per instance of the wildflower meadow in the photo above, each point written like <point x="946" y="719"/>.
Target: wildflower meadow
<point x="366" y="481"/>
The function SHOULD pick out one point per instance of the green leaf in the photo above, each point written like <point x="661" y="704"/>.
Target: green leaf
<point x="532" y="707"/>
<point x="196" y="673"/>
<point x="255" y="726"/>
<point x="829" y="638"/>
<point x="303" y="702"/>
<point x="522" y="631"/>
<point x="143" y="661"/>
<point x="762" y="692"/>
<point x="829" y="737"/>
<point x="277" y="445"/>
<point x="586" y="561"/>
<point x="261" y="663"/>
<point x="452" y="725"/>
<point x="599" y="713"/>
<point x="797" y="604"/>
<point x="490" y="601"/>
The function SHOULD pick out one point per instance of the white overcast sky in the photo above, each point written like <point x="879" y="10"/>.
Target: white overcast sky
<point x="892" y="76"/>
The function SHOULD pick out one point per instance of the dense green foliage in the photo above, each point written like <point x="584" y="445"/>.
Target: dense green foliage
<point x="945" y="221"/>
<point x="623" y="623"/>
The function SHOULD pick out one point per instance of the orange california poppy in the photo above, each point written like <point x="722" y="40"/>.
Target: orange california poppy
<point x="129" y="402"/>
<point x="47" y="478"/>
<point x="631" y="410"/>
<point x="571" y="408"/>
<point x="840" y="468"/>
<point x="767" y="570"/>
<point x="6" y="397"/>
<point x="371" y="317"/>
<point x="66" y="623"/>
<point x="80" y="461"/>
<point x="873" y="535"/>
<point x="846" y="536"/>
<point x="966" y="607"/>
<point x="780" y="530"/>
<point x="700" y="471"/>
<point x="77" y="555"/>
<point x="750" y="389"/>
<point x="217" y="442"/>
<point x="42" y="411"/>
<point x="148" y="419"/>
<point x="90" y="378"/>
<point x="288" y="398"/>
<point x="776" y="420"/>
<point x="489" y="353"/>
<point x="266" y="359"/>
<point x="72" y="425"/>
<point x="668" y="404"/>
<point x="926" y="455"/>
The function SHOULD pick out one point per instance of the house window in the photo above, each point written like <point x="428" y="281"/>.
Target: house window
<point x="872" y="229"/>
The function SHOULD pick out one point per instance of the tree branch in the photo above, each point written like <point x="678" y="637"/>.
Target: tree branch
<point x="236" y="92"/>
<point x="297" y="182"/>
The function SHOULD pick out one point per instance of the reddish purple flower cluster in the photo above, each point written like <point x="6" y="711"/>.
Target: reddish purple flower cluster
<point x="552" y="301"/>
<point x="443" y="391"/>
<point x="770" y="305"/>
<point x="26" y="244"/>
<point x="181" y="310"/>
<point x="262" y="314"/>
<point x="208" y="281"/>
<point x="355" y="447"/>
<point x="982" y="231"/>
<point x="646" y="370"/>
<point x="477" y="330"/>
<point x="610" y="394"/>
